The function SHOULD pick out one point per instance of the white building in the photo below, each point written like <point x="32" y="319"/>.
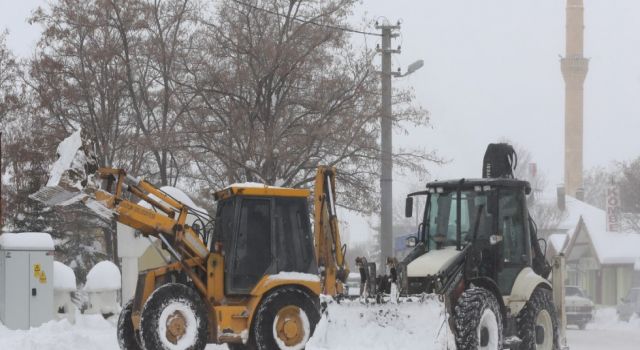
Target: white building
<point x="600" y="261"/>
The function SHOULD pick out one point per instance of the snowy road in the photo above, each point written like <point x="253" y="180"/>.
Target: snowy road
<point x="597" y="339"/>
<point x="606" y="332"/>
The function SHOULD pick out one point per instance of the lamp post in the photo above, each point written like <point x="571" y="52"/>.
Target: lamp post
<point x="386" y="145"/>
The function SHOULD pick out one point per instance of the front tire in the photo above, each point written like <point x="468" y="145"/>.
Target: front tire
<point x="285" y="320"/>
<point x="538" y="322"/>
<point x="478" y="320"/>
<point x="174" y="318"/>
<point x="127" y="337"/>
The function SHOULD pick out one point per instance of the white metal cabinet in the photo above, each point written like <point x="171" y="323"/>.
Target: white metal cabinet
<point x="26" y="281"/>
<point x="15" y="284"/>
<point x="40" y="288"/>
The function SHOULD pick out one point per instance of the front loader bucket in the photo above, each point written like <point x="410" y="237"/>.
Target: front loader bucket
<point x="55" y="195"/>
<point x="406" y="325"/>
<point x="71" y="173"/>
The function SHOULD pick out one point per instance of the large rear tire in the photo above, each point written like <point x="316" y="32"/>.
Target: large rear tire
<point x="174" y="318"/>
<point x="126" y="334"/>
<point x="538" y="322"/>
<point x="285" y="320"/>
<point x="478" y="320"/>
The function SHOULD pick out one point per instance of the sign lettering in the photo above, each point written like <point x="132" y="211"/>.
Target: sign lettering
<point x="613" y="208"/>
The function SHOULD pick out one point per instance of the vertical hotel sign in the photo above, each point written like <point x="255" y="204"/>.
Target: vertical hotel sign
<point x="613" y="208"/>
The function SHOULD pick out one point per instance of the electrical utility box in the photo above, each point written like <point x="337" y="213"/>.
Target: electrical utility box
<point x="26" y="279"/>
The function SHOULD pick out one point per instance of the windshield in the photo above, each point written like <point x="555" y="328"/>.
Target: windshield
<point x="441" y="217"/>
<point x="573" y="292"/>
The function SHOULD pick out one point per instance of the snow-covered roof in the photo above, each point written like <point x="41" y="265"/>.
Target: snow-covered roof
<point x="64" y="279"/>
<point x="26" y="241"/>
<point x="557" y="241"/>
<point x="611" y="247"/>
<point x="105" y="276"/>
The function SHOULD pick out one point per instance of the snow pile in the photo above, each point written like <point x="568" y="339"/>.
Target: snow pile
<point x="71" y="173"/>
<point x="63" y="277"/>
<point x="89" y="332"/>
<point x="607" y="319"/>
<point x="408" y="325"/>
<point x="26" y="241"/>
<point x="69" y="170"/>
<point x="105" y="276"/>
<point x="67" y="150"/>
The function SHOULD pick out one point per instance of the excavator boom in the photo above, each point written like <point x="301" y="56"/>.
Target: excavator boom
<point x="330" y="251"/>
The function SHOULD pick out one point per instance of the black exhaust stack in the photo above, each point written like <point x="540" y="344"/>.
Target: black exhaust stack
<point x="500" y="161"/>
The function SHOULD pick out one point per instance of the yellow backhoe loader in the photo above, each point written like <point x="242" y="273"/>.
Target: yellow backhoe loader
<point x="250" y="277"/>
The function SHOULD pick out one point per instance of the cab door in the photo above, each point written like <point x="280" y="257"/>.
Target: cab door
<point x="251" y="254"/>
<point x="515" y="245"/>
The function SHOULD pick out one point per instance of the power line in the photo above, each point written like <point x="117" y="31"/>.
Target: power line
<point x="344" y="29"/>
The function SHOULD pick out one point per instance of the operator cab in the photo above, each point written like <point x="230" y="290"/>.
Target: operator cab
<point x="262" y="230"/>
<point x="489" y="214"/>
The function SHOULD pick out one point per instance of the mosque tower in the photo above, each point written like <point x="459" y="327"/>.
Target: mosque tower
<point x="574" y="70"/>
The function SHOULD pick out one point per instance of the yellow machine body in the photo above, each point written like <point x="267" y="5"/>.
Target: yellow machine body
<point x="230" y="316"/>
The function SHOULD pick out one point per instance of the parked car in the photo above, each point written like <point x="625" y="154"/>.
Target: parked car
<point x="579" y="307"/>
<point x="629" y="305"/>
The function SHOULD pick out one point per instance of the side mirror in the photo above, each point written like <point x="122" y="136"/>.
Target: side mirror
<point x="408" y="207"/>
<point x="411" y="241"/>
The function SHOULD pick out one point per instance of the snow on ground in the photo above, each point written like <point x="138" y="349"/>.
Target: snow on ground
<point x="89" y="332"/>
<point x="354" y="326"/>
<point x="350" y="326"/>
<point x="606" y="332"/>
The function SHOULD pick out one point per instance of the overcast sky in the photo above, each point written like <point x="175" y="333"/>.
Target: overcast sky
<point x="492" y="71"/>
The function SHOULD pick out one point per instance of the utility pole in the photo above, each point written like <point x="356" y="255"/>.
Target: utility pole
<point x="386" y="139"/>
<point x="386" y="126"/>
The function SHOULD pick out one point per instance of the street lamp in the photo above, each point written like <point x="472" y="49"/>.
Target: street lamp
<point x="411" y="69"/>
<point x="414" y="67"/>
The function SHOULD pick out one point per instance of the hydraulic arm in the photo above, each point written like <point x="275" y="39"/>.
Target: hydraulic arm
<point x="330" y="251"/>
<point x="166" y="219"/>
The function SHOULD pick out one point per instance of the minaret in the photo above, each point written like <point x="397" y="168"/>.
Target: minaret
<point x="574" y="70"/>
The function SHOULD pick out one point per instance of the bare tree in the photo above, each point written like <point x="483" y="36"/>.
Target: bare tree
<point x="281" y="91"/>
<point x="155" y="37"/>
<point x="596" y="181"/>
<point x="10" y="84"/>
<point x="77" y="77"/>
